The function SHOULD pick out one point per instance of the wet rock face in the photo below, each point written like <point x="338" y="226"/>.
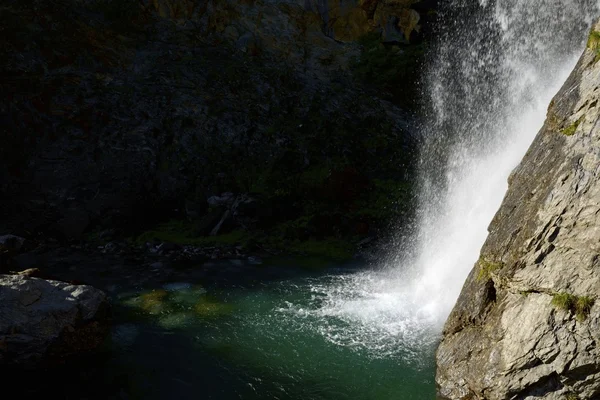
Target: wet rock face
<point x="527" y="322"/>
<point x="44" y="321"/>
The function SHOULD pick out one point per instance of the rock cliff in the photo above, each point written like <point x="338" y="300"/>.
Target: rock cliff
<point x="123" y="113"/>
<point x="527" y="323"/>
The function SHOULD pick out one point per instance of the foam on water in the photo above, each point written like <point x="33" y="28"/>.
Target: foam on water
<point x="495" y="69"/>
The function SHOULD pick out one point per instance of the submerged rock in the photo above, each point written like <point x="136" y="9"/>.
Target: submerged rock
<point x="527" y="322"/>
<point x="44" y="321"/>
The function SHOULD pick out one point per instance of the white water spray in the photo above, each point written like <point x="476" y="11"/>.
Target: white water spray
<point x="496" y="67"/>
<point x="489" y="91"/>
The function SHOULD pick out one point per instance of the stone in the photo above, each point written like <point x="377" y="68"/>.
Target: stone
<point x="167" y="247"/>
<point x="30" y="272"/>
<point x="44" y="321"/>
<point x="11" y="242"/>
<point x="506" y="338"/>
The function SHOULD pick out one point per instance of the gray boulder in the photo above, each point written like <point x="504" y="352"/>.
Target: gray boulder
<point x="43" y="321"/>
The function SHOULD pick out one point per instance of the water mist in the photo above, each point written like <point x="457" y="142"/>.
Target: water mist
<point x="494" y="69"/>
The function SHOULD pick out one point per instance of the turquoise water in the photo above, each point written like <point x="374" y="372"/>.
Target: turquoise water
<point x="319" y="336"/>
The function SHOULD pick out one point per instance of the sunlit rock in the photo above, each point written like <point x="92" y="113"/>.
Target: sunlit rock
<point x="46" y="321"/>
<point x="528" y="327"/>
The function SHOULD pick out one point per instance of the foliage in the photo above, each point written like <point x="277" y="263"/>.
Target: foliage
<point x="564" y="301"/>
<point x="594" y="43"/>
<point x="486" y="268"/>
<point x="571" y="129"/>
<point x="581" y="306"/>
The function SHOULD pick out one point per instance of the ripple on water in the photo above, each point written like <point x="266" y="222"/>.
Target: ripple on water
<point x="365" y="312"/>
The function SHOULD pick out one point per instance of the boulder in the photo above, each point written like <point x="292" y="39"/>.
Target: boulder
<point x="11" y="242"/>
<point x="44" y="321"/>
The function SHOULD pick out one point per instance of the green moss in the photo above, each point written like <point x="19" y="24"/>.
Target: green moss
<point x="580" y="306"/>
<point x="486" y="268"/>
<point x="571" y="129"/>
<point x="594" y="43"/>
<point x="207" y="307"/>
<point x="564" y="301"/>
<point x="583" y="306"/>
<point x="571" y="396"/>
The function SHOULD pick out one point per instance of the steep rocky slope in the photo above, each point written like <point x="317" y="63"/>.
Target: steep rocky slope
<point x="527" y="323"/>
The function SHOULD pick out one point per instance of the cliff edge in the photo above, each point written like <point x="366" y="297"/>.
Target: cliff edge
<point x="527" y="323"/>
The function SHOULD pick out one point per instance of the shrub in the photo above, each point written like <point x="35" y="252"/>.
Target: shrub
<point x="580" y="306"/>
<point x="583" y="306"/>
<point x="594" y="43"/>
<point x="564" y="301"/>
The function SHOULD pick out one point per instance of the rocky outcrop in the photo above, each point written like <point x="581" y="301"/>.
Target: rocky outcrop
<point x="43" y="321"/>
<point x="129" y="113"/>
<point x="527" y="323"/>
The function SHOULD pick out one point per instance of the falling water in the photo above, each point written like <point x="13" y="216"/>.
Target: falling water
<point x="493" y="77"/>
<point x="495" y="68"/>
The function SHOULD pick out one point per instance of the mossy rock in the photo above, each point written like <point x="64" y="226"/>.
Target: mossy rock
<point x="594" y="43"/>
<point x="486" y="268"/>
<point x="208" y="308"/>
<point x="571" y="129"/>
<point x="176" y="320"/>
<point x="153" y="302"/>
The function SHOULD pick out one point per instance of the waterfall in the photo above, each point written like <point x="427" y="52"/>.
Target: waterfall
<point x="492" y="73"/>
<point x="496" y="66"/>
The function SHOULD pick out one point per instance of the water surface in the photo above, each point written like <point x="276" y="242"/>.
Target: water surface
<point x="296" y="336"/>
